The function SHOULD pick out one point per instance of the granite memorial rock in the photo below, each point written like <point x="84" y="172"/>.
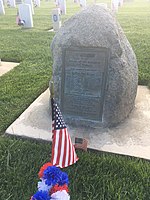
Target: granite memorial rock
<point x="95" y="71"/>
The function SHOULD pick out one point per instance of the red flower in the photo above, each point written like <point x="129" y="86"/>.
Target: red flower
<point x="40" y="174"/>
<point x="56" y="188"/>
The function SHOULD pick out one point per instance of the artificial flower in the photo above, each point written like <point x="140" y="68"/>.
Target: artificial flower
<point x="40" y="174"/>
<point x="57" y="188"/>
<point x="60" y="195"/>
<point x="41" y="195"/>
<point x="52" y="175"/>
<point x="63" y="179"/>
<point x="53" y="184"/>
<point x="42" y="186"/>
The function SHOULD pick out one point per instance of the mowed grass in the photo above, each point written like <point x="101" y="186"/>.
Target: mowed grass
<point x="99" y="176"/>
<point x="96" y="176"/>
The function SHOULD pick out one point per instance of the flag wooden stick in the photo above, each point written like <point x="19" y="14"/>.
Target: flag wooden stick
<point x="51" y="86"/>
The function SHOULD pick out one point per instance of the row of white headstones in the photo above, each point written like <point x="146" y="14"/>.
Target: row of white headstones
<point x="12" y="4"/>
<point x="26" y="10"/>
<point x="61" y="4"/>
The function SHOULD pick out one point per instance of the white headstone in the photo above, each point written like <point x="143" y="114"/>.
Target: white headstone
<point x="57" y="2"/>
<point x="37" y="3"/>
<point x="25" y="14"/>
<point x="18" y="1"/>
<point x="2" y="10"/>
<point x="4" y="2"/>
<point x="62" y="6"/>
<point x="104" y="5"/>
<point x="12" y="3"/>
<point x="83" y="3"/>
<point x="56" y="20"/>
<point x="114" y="5"/>
<point x="76" y="1"/>
<point x="120" y="3"/>
<point x="31" y="4"/>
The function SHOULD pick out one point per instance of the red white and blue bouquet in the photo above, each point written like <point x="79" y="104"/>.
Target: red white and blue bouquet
<point x="53" y="184"/>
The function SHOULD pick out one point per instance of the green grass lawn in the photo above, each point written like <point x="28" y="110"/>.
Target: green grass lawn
<point x="96" y="176"/>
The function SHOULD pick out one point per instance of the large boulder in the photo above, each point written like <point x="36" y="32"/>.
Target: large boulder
<point x="94" y="30"/>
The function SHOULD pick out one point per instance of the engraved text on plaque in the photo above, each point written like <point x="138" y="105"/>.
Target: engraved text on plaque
<point x="84" y="82"/>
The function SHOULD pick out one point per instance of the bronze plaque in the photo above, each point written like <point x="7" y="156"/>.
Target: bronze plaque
<point x="83" y="82"/>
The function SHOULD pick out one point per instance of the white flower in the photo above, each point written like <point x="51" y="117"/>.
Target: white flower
<point x="60" y="195"/>
<point x="42" y="186"/>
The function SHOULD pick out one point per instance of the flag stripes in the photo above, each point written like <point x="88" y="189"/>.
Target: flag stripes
<point x="63" y="152"/>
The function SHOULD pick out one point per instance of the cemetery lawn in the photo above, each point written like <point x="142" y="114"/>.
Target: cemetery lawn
<point x="97" y="175"/>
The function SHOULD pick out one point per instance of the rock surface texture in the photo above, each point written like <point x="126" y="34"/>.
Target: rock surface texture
<point x="96" y="27"/>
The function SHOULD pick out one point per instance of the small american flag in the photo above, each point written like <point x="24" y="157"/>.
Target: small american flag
<point x="81" y="143"/>
<point x="63" y="151"/>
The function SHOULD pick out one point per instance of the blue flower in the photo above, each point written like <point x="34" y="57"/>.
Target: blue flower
<point x="63" y="179"/>
<point x="39" y="195"/>
<point x="52" y="175"/>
